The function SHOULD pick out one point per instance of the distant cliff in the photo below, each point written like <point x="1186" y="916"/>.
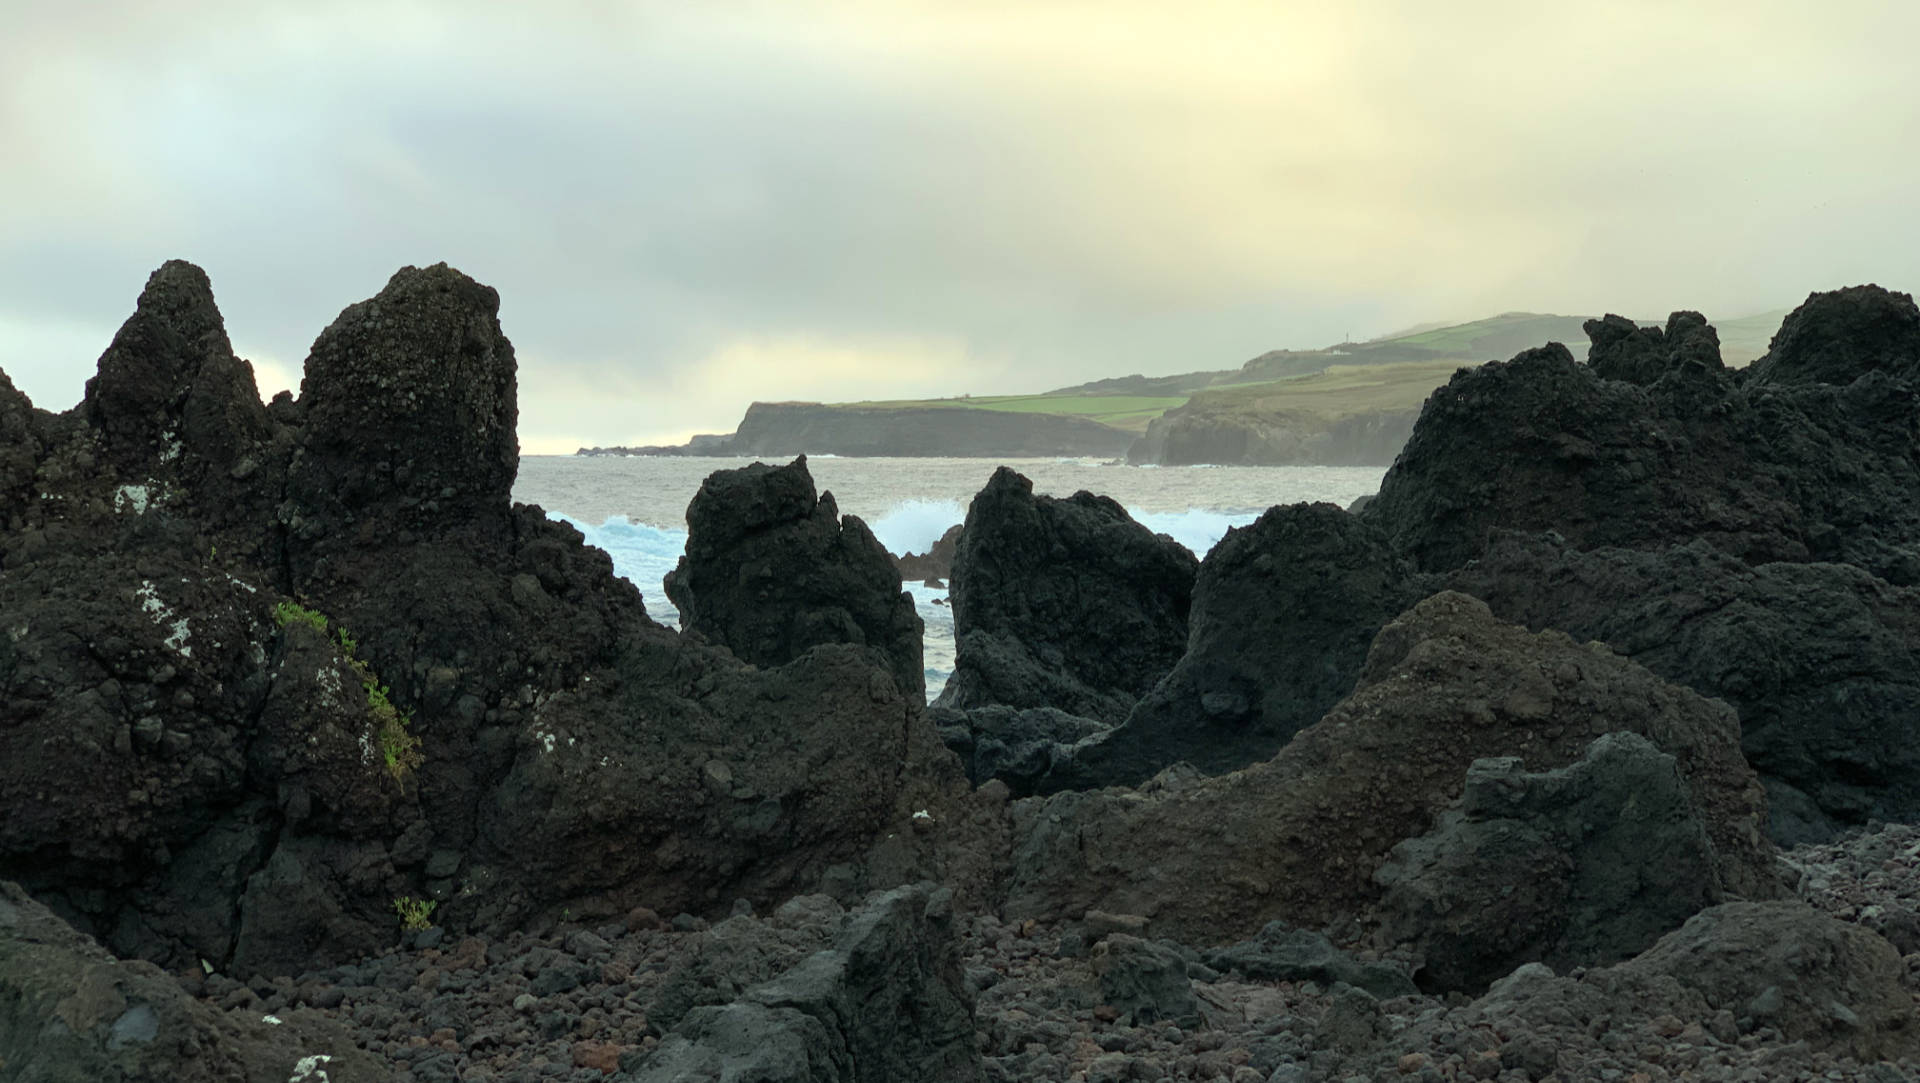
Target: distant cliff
<point x="1185" y="437"/>
<point x="793" y="428"/>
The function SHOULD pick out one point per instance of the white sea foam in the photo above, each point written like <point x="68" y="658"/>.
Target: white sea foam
<point x="1199" y="529"/>
<point x="912" y="526"/>
<point x="642" y="555"/>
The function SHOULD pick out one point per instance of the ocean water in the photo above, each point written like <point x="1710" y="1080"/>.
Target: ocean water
<point x="635" y="508"/>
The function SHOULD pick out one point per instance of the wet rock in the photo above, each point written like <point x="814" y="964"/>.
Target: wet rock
<point x="935" y="563"/>
<point x="1835" y="337"/>
<point x="1064" y="603"/>
<point x="1297" y="838"/>
<point x="887" y="1002"/>
<point x="771" y="570"/>
<point x="1581" y="866"/>
<point x="1283" y="612"/>
<point x="71" y="1013"/>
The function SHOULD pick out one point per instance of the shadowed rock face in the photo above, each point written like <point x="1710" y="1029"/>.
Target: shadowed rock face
<point x="1623" y="350"/>
<point x="1283" y="612"/>
<point x="1063" y="603"/>
<point x="1297" y="838"/>
<point x="772" y="570"/>
<point x="237" y="805"/>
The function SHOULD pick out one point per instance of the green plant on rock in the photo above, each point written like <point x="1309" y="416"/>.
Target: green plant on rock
<point x="399" y="748"/>
<point x="414" y="913"/>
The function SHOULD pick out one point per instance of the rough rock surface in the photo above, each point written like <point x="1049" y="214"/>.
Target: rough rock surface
<point x="772" y="570"/>
<point x="935" y="563"/>
<point x="886" y="1002"/>
<point x="1022" y="749"/>
<point x="1144" y="982"/>
<point x="71" y="1013"/>
<point x="1283" y="612"/>
<point x="1623" y="350"/>
<point x="1063" y="603"/>
<point x="1821" y="661"/>
<point x="1280" y="952"/>
<point x="1582" y="866"/>
<point x="1765" y="466"/>
<point x="575" y="755"/>
<point x="1837" y="336"/>
<point x="1297" y="838"/>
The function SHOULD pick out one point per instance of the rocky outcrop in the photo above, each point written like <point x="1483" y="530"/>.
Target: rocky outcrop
<point x="1582" y="866"/>
<point x="1235" y="436"/>
<point x="1283" y="613"/>
<point x="71" y="1013"/>
<point x="1836" y="337"/>
<point x="1064" y="603"/>
<point x="1623" y="350"/>
<point x="1766" y="466"/>
<point x="886" y="1002"/>
<point x="772" y="570"/>
<point x="794" y="428"/>
<point x="1821" y="661"/>
<point x="935" y="563"/>
<point x="327" y="664"/>
<point x="1298" y="838"/>
<point x="1022" y="748"/>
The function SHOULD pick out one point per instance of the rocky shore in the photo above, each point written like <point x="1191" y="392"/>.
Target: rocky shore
<point x="1582" y="751"/>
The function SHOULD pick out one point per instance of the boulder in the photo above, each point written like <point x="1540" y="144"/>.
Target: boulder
<point x="1280" y="952"/>
<point x="1297" y="838"/>
<point x="1581" y="866"/>
<point x="1820" y="661"/>
<point x="71" y="1013"/>
<point x="1144" y="981"/>
<point x="1063" y="603"/>
<point x="1837" y="336"/>
<point x="1283" y="612"/>
<point x="771" y="570"/>
<point x="1733" y="968"/>
<point x="887" y="1002"/>
<point x="1623" y="350"/>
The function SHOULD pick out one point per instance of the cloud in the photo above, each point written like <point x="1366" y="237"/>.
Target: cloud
<point x="1071" y="190"/>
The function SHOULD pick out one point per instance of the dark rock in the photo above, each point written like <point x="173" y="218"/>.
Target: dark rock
<point x="935" y="563"/>
<point x="1283" y="612"/>
<point x="1019" y="747"/>
<point x="1831" y="984"/>
<point x="71" y="1013"/>
<point x="1586" y="865"/>
<point x="1835" y="337"/>
<point x="1063" y="603"/>
<point x="1821" y="661"/>
<point x="1297" y="838"/>
<point x="772" y="570"/>
<point x="792" y="428"/>
<point x="887" y="1002"/>
<point x="1146" y="982"/>
<point x="1281" y="952"/>
<point x="1623" y="350"/>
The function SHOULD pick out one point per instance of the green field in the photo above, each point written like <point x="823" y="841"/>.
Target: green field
<point x="1131" y="412"/>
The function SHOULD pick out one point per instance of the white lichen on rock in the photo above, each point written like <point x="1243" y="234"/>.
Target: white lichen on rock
<point x="178" y="634"/>
<point x="308" y="1070"/>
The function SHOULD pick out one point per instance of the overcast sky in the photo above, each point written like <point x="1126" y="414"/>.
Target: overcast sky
<point x="688" y="206"/>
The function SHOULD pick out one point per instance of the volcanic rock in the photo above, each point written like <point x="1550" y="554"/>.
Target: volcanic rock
<point x="1283" y="612"/>
<point x="1821" y="661"/>
<point x="1063" y="603"/>
<point x="1020" y="748"/>
<point x="935" y="563"/>
<point x="886" y="1002"/>
<point x="1835" y="337"/>
<point x="1280" y="952"/>
<point x="1623" y="350"/>
<point x="1144" y="981"/>
<point x="71" y="1013"/>
<point x="771" y="570"/>
<point x="1581" y="866"/>
<point x="1297" y="838"/>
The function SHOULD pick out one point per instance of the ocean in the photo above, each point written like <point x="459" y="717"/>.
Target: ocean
<point x="635" y="507"/>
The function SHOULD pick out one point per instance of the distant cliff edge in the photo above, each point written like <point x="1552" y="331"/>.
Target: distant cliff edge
<point x="792" y="428"/>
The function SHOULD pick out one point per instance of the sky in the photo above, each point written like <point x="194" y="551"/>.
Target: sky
<point x="687" y="207"/>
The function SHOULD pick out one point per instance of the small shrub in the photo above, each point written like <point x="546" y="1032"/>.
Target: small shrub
<point x="398" y="747"/>
<point x="347" y="642"/>
<point x="285" y="613"/>
<point x="414" y="912"/>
